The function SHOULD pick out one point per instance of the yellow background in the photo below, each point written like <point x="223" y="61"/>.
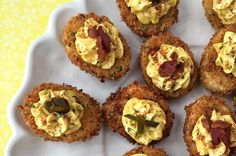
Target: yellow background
<point x="21" y="22"/>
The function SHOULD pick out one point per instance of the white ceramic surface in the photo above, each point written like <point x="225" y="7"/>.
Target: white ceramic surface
<point x="47" y="62"/>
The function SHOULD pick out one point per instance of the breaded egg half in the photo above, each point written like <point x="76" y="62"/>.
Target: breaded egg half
<point x="96" y="46"/>
<point x="61" y="113"/>
<point x="208" y="110"/>
<point x="135" y="14"/>
<point x="116" y="114"/>
<point x="146" y="151"/>
<point x="168" y="65"/>
<point x="212" y="76"/>
<point x="220" y="13"/>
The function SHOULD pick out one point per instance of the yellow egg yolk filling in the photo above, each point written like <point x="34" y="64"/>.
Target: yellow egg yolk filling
<point x="143" y="120"/>
<point x="148" y="12"/>
<point x="227" y="53"/>
<point x="53" y="123"/>
<point x="203" y="138"/>
<point x="226" y="10"/>
<point x="88" y="50"/>
<point x="162" y="55"/>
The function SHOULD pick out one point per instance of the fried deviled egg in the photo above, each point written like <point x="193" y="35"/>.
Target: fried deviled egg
<point x="218" y="67"/>
<point x="138" y="114"/>
<point x="168" y="66"/>
<point x="148" y="17"/>
<point x="210" y="128"/>
<point x="220" y="13"/>
<point x="146" y="151"/>
<point x="96" y="46"/>
<point x="60" y="113"/>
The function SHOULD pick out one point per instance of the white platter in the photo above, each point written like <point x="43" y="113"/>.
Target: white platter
<point x="47" y="62"/>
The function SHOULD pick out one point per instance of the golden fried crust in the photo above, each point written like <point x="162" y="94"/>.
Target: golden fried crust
<point x="136" y="26"/>
<point x="90" y="120"/>
<point x="148" y="150"/>
<point x="211" y="15"/>
<point x="155" y="42"/>
<point x="112" y="109"/>
<point x="195" y="110"/>
<point x="120" y="67"/>
<point x="213" y="77"/>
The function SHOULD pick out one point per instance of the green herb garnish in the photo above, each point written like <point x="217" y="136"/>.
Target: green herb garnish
<point x="57" y="104"/>
<point x="221" y="60"/>
<point x="119" y="69"/>
<point x="73" y="33"/>
<point x="163" y="86"/>
<point x="33" y="106"/>
<point x="147" y="47"/>
<point x="141" y="122"/>
<point x="113" y="76"/>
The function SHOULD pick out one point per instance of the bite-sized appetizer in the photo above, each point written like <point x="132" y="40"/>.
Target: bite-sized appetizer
<point x="168" y="66"/>
<point x="146" y="151"/>
<point x="95" y="45"/>
<point x="138" y="114"/>
<point x="210" y="128"/>
<point x="61" y="113"/>
<point x="218" y="67"/>
<point x="148" y="17"/>
<point x="220" y="13"/>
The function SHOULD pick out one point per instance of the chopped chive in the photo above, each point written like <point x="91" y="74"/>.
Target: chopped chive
<point x="33" y="106"/>
<point x="113" y="75"/>
<point x="129" y="129"/>
<point x="163" y="86"/>
<point x="119" y="69"/>
<point x="221" y="60"/>
<point x="73" y="33"/>
<point x="147" y="47"/>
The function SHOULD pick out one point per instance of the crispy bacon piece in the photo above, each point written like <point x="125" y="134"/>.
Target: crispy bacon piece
<point x="179" y="69"/>
<point x="167" y="68"/>
<point x="92" y="32"/>
<point x="220" y="134"/>
<point x="207" y="124"/>
<point x="174" y="56"/>
<point x="208" y="113"/>
<point x="219" y="130"/>
<point x="171" y="68"/>
<point x="103" y="41"/>
<point x="101" y="51"/>
<point x="221" y="124"/>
